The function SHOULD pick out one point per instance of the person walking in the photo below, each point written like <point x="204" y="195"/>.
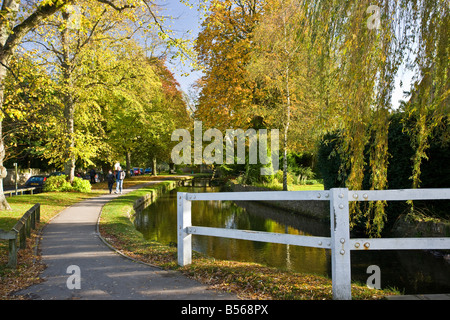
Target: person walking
<point x="92" y="174"/>
<point x="111" y="179"/>
<point x="120" y="175"/>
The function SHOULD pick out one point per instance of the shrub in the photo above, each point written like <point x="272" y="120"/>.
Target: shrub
<point x="60" y="183"/>
<point x="279" y="177"/>
<point x="253" y="174"/>
<point x="56" y="183"/>
<point x="81" y="185"/>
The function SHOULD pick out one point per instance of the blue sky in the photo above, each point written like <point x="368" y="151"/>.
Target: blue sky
<point x="184" y="19"/>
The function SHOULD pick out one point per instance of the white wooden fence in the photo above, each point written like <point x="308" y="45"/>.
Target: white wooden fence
<point x="340" y="242"/>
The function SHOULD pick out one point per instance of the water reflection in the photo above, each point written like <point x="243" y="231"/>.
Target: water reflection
<point x="158" y="222"/>
<point x="411" y="271"/>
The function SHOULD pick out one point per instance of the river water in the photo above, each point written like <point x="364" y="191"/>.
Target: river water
<point x="412" y="271"/>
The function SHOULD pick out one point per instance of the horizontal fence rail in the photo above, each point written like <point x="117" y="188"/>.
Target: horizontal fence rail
<point x="400" y="243"/>
<point x="19" y="191"/>
<point x="339" y="241"/>
<point x="297" y="240"/>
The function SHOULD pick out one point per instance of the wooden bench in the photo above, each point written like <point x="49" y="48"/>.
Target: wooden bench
<point x="21" y="230"/>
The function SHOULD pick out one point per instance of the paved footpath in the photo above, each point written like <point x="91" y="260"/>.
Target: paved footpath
<point x="71" y="239"/>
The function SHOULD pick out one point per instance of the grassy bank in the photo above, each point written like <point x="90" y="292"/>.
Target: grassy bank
<point x="29" y="266"/>
<point x="247" y="280"/>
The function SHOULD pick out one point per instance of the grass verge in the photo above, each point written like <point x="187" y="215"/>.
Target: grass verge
<point x="29" y="264"/>
<point x="246" y="280"/>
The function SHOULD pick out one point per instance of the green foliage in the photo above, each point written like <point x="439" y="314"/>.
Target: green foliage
<point x="56" y="183"/>
<point x="329" y="161"/>
<point x="279" y="177"/>
<point x="81" y="185"/>
<point x="97" y="95"/>
<point x="60" y="183"/>
<point x="435" y="172"/>
<point x="253" y="174"/>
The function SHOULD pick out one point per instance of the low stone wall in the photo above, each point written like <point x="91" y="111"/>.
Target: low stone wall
<point x="149" y="198"/>
<point x="310" y="208"/>
<point x="404" y="227"/>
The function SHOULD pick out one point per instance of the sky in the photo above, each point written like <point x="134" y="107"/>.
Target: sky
<point x="184" y="19"/>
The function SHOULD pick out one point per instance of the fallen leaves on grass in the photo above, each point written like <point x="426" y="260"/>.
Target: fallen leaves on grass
<point x="27" y="272"/>
<point x="246" y="280"/>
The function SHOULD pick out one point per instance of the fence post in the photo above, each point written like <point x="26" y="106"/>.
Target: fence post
<point x="340" y="244"/>
<point x="33" y="218"/>
<point x="22" y="238"/>
<point x="12" y="258"/>
<point x="184" y="220"/>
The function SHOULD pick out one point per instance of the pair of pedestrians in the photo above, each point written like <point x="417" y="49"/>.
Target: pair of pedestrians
<point x="117" y="177"/>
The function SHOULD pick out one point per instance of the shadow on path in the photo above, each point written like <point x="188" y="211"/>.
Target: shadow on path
<point x="71" y="239"/>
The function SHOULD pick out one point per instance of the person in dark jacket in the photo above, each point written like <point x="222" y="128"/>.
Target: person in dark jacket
<point x="111" y="178"/>
<point x="92" y="174"/>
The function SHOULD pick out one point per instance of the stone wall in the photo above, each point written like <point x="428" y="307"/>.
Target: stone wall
<point x="23" y="176"/>
<point x="157" y="191"/>
<point x="405" y="227"/>
<point x="310" y="208"/>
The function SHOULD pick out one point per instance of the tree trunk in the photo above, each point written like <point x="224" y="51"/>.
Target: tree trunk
<point x="286" y="129"/>
<point x="128" y="162"/>
<point x="154" y="167"/>
<point x="69" y="105"/>
<point x="69" y="167"/>
<point x="4" y="205"/>
<point x="288" y="107"/>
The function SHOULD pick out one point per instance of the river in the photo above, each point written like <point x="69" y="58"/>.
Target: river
<point x="412" y="271"/>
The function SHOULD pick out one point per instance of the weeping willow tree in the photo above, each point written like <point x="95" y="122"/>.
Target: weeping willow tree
<point x="342" y="60"/>
<point x="429" y="105"/>
<point x="354" y="52"/>
<point x="373" y="42"/>
<point x="371" y="46"/>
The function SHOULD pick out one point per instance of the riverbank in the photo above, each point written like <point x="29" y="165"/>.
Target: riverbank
<point x="246" y="280"/>
<point x="319" y="210"/>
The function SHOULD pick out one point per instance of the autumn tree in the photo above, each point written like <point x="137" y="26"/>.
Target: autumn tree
<point x="30" y="95"/>
<point x="280" y="62"/>
<point x="228" y="97"/>
<point x="347" y="56"/>
<point x="13" y="27"/>
<point x="72" y="39"/>
<point x="20" y="17"/>
<point x="175" y="115"/>
<point x="141" y="109"/>
<point x="369" y="42"/>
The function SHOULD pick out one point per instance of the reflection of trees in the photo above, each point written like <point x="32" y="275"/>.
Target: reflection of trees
<point x="158" y="222"/>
